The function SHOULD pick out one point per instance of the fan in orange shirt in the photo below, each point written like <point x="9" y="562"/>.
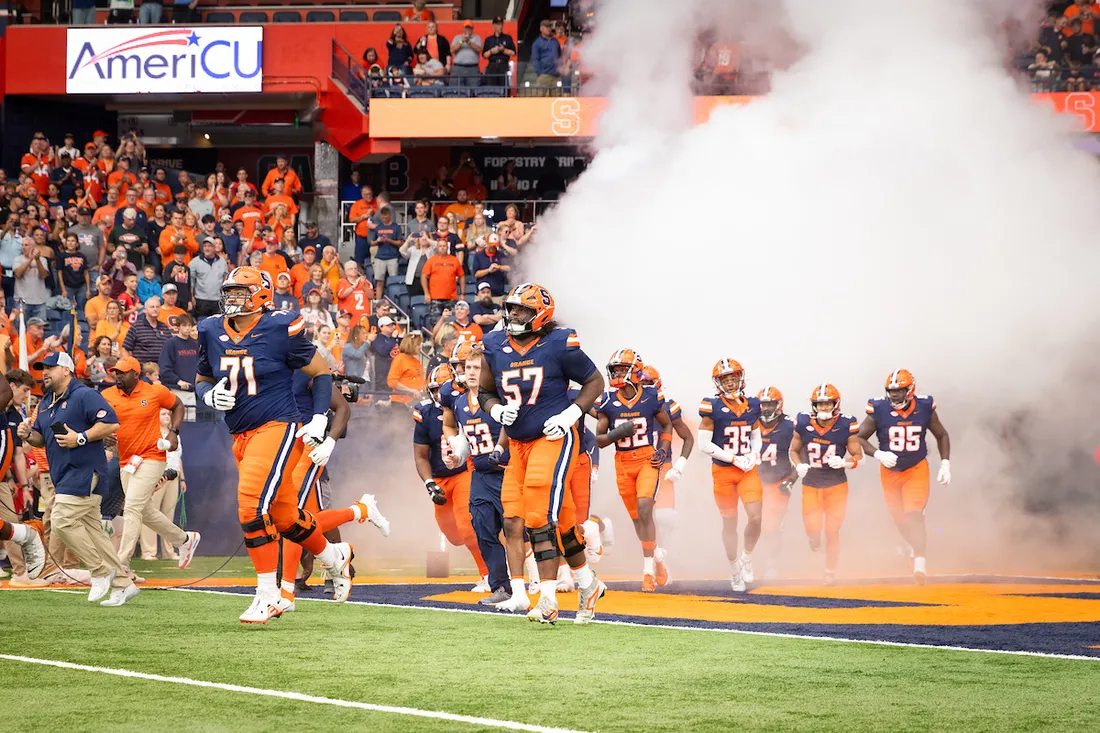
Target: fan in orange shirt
<point x="461" y="208"/>
<point x="122" y="177"/>
<point x="88" y="165"/>
<point x="273" y="261"/>
<point x="354" y="292"/>
<point x="330" y="267"/>
<point x="36" y="163"/>
<point x="406" y="377"/>
<point x="249" y="214"/>
<point x="418" y="12"/>
<point x="173" y="234"/>
<point x="299" y="274"/>
<point x="160" y="184"/>
<point x="281" y="171"/>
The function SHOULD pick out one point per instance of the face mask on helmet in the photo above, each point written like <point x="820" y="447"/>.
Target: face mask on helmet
<point x="899" y="397"/>
<point x="769" y="411"/>
<point x="824" y="409"/>
<point x="731" y="384"/>
<point x="618" y="375"/>
<point x="234" y="299"/>
<point x="518" y="317"/>
<point x="459" y="368"/>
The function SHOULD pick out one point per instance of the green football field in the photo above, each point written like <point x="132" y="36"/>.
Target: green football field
<point x="499" y="668"/>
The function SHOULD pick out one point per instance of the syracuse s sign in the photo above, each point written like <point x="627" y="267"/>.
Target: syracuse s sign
<point x="152" y="60"/>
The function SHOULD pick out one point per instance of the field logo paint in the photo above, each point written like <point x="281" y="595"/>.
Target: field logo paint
<point x="134" y="60"/>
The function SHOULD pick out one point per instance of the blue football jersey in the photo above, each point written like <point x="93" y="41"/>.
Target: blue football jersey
<point x="642" y="411"/>
<point x="449" y="393"/>
<point x="903" y="433"/>
<point x="428" y="430"/>
<point x="818" y="447"/>
<point x="775" y="461"/>
<point x="536" y="377"/>
<point x="260" y="365"/>
<point x="481" y="431"/>
<point x="733" y="423"/>
<point x="588" y="438"/>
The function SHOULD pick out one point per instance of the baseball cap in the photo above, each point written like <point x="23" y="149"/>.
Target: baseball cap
<point x="170" y="288"/>
<point x="57" y="358"/>
<point x="341" y="314"/>
<point x="180" y="249"/>
<point x="91" y="146"/>
<point x="498" y="20"/>
<point x="462" y="304"/>
<point x="385" y="321"/>
<point x="36" y="321"/>
<point x="84" y="211"/>
<point x="226" y="216"/>
<point x="99" y="133"/>
<point x="129" y="214"/>
<point x="311" y="225"/>
<point x="484" y="286"/>
<point x="468" y="24"/>
<point x="127" y="364"/>
<point x="286" y="276"/>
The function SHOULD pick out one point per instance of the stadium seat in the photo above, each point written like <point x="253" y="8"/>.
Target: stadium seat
<point x="320" y="16"/>
<point x="387" y="16"/>
<point x="491" y="91"/>
<point x="416" y="300"/>
<point x="395" y="280"/>
<point x="419" y="315"/>
<point x="353" y="16"/>
<point x="456" y="92"/>
<point x="218" y="16"/>
<point x="287" y="16"/>
<point x="253" y="16"/>
<point x="423" y="92"/>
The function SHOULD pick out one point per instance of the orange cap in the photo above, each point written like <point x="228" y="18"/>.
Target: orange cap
<point x="127" y="364"/>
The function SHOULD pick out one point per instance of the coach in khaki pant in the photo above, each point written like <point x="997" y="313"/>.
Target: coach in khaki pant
<point x="78" y="468"/>
<point x="142" y="458"/>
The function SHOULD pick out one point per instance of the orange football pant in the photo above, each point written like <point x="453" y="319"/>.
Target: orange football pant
<point x="580" y="487"/>
<point x="536" y="481"/>
<point x="307" y="476"/>
<point x="906" y="491"/>
<point x="731" y="484"/>
<point x="824" y="507"/>
<point x="453" y="518"/>
<point x="636" y="478"/>
<point x="775" y="507"/>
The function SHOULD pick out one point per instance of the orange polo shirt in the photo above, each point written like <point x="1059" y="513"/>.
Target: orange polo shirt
<point x="139" y="419"/>
<point x="291" y="182"/>
<point x="359" y="208"/>
<point x="299" y="276"/>
<point x="273" y="265"/>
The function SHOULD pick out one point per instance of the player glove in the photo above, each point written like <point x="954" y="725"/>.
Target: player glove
<point x="504" y="414"/>
<point x="785" y="486"/>
<point x="677" y="471"/>
<point x="323" y="452"/>
<point x="658" y="458"/>
<point x="622" y="431"/>
<point x="944" y="476"/>
<point x="802" y="469"/>
<point x="836" y="462"/>
<point x="745" y="463"/>
<point x="557" y="426"/>
<point x="435" y="492"/>
<point x="886" y="458"/>
<point x="221" y="397"/>
<point x="313" y="432"/>
<point x="496" y="456"/>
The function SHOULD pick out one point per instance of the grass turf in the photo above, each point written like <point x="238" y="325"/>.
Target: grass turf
<point x="598" y="677"/>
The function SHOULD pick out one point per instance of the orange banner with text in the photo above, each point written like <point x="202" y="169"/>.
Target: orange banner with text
<point x="1086" y="105"/>
<point x="523" y="117"/>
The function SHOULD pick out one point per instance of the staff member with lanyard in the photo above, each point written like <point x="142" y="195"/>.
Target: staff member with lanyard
<point x="72" y="421"/>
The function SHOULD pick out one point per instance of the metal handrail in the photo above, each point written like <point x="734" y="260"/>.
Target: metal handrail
<point x="403" y="211"/>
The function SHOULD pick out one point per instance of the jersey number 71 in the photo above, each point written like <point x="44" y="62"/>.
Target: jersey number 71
<point x="235" y="365"/>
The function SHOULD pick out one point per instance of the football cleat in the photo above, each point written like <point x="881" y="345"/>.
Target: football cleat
<point x="737" y="583"/>
<point x="500" y="595"/>
<point x="34" y="552"/>
<point x="546" y="612"/>
<point x="284" y="605"/>
<point x="187" y="549"/>
<point x="119" y="596"/>
<point x="516" y="603"/>
<point x="265" y="606"/>
<point x="482" y="585"/>
<point x="747" y="573"/>
<point x="101" y="586"/>
<point x="374" y="515"/>
<point x="830" y="577"/>
<point x="920" y="572"/>
<point x="586" y="606"/>
<point x="339" y="571"/>
<point x="659" y="557"/>
<point x="649" y="583"/>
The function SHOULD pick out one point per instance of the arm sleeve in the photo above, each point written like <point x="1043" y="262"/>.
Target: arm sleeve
<point x="203" y="365"/>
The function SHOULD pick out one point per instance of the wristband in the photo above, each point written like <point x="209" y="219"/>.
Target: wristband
<point x="679" y="463"/>
<point x="665" y="436"/>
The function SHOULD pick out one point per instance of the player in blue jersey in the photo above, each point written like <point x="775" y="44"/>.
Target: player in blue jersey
<point x="735" y="419"/>
<point x="446" y="478"/>
<point x="247" y="359"/>
<point x="473" y="434"/>
<point x="307" y="477"/>
<point x="524" y="386"/>
<point x="664" y="510"/>
<point x="776" y="473"/>
<point x="901" y="420"/>
<point x="822" y="438"/>
<point x="630" y="415"/>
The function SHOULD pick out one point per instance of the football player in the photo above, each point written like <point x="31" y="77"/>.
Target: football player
<point x="525" y="375"/>
<point x="901" y="420"/>
<point x="580" y="487"/>
<point x="28" y="539"/>
<point x="822" y="438"/>
<point x="447" y="485"/>
<point x="735" y="418"/>
<point x="247" y="359"/>
<point x="472" y="434"/>
<point x="664" y="509"/>
<point x="776" y="473"/>
<point x="630" y="416"/>
<point x="307" y="476"/>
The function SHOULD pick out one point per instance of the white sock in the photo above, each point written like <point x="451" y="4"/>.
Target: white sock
<point x="327" y="556"/>
<point x="20" y="533"/>
<point x="267" y="582"/>
<point x="735" y="567"/>
<point x="746" y="556"/>
<point x="918" y="565"/>
<point x="549" y="589"/>
<point x="519" y="588"/>
<point x="649" y="567"/>
<point x="531" y="567"/>
<point x="585" y="576"/>
<point x="357" y="511"/>
<point x="287" y="586"/>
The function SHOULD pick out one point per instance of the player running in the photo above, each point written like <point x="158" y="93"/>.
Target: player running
<point x="633" y="418"/>
<point x="247" y="359"/>
<point x="447" y="485"/>
<point x="473" y="434"/>
<point x="664" y="510"/>
<point x="29" y="541"/>
<point x="307" y="476"/>
<point x="822" y="437"/>
<point x="596" y="531"/>
<point x="776" y="473"/>
<point x="531" y="362"/>
<point x="901" y="420"/>
<point x="735" y="418"/>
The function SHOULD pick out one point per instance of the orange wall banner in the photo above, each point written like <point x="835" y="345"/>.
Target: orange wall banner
<point x="524" y="117"/>
<point x="1086" y="105"/>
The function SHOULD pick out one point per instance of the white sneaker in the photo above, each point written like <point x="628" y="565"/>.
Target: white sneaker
<point x="265" y="606"/>
<point x="119" y="596"/>
<point x="22" y="581"/>
<point x="518" y="603"/>
<point x="4" y="573"/>
<point x="586" y="607"/>
<point x="149" y="558"/>
<point x="531" y="570"/>
<point x="830" y="577"/>
<point x="920" y="571"/>
<point x="737" y="582"/>
<point x="101" y="587"/>
<point x="187" y="549"/>
<point x="374" y="515"/>
<point x="34" y="554"/>
<point x="747" y="573"/>
<point x="338" y="571"/>
<point x="546" y="612"/>
<point x="482" y="586"/>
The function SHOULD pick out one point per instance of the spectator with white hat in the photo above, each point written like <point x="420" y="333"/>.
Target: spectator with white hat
<point x="485" y="310"/>
<point x="490" y="264"/>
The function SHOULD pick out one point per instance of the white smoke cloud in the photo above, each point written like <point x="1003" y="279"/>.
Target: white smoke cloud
<point x="896" y="200"/>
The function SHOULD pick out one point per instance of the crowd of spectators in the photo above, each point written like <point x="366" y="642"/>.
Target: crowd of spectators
<point x="1064" y="56"/>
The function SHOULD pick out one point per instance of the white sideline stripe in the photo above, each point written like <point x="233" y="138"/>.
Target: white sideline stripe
<point x="776" y="634"/>
<point x="58" y="590"/>
<point x="299" y="697"/>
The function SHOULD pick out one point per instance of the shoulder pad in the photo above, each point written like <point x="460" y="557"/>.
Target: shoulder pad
<point x="424" y="403"/>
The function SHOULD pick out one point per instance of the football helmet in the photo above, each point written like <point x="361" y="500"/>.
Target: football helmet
<point x="247" y="290"/>
<point x="650" y="376"/>
<point x="729" y="378"/>
<point x="436" y="379"/>
<point x="771" y="404"/>
<point x="459" y="354"/>
<point x="825" y="402"/>
<point x="900" y="387"/>
<point x="528" y="308"/>
<point x="623" y="368"/>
